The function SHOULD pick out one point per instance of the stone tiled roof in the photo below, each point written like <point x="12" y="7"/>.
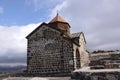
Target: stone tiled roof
<point x="75" y="34"/>
<point x="57" y="19"/>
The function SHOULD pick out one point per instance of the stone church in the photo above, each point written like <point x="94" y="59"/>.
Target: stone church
<point x="53" y="49"/>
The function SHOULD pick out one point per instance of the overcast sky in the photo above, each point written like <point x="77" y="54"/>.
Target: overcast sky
<point x="99" y="20"/>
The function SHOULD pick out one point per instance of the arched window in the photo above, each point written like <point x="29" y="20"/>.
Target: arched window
<point x="77" y="59"/>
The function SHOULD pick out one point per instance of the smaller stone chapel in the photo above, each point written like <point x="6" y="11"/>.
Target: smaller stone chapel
<point x="53" y="49"/>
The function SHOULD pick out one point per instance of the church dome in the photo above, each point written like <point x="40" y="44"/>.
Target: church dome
<point x="57" y="19"/>
<point x="59" y="23"/>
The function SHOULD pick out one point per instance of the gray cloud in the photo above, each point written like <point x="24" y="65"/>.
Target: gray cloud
<point x="13" y="45"/>
<point x="98" y="19"/>
<point x="13" y="59"/>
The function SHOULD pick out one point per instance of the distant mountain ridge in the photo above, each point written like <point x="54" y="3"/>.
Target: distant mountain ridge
<point x="11" y="68"/>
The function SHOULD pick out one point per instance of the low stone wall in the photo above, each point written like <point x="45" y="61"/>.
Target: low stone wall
<point x="96" y="75"/>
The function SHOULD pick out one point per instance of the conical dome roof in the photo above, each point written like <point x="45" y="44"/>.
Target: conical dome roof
<point x="59" y="23"/>
<point x="57" y="19"/>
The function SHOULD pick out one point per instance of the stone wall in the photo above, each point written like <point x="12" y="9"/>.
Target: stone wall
<point x="49" y="52"/>
<point x="84" y="54"/>
<point x="105" y="59"/>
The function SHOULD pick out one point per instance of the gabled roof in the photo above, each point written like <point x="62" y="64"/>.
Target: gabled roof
<point x="41" y="26"/>
<point x="57" y="19"/>
<point x="75" y="35"/>
<point x="36" y="29"/>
